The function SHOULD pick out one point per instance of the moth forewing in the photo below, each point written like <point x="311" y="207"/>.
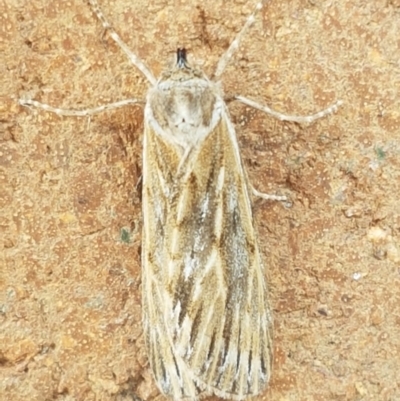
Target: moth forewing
<point x="207" y="322"/>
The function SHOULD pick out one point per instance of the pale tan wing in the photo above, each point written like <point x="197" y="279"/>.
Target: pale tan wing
<point x="170" y="371"/>
<point x="227" y="341"/>
<point x="204" y="292"/>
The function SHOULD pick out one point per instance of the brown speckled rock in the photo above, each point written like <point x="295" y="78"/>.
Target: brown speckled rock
<point x="70" y="204"/>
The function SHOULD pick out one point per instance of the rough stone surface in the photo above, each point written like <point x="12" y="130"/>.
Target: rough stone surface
<point x="70" y="214"/>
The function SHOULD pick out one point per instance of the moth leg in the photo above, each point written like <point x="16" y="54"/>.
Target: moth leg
<point x="298" y="119"/>
<point x="271" y="197"/>
<point x="135" y="60"/>
<point x="78" y="113"/>
<point x="284" y="117"/>
<point x="226" y="57"/>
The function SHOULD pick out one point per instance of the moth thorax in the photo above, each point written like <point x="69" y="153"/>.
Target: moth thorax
<point x="183" y="109"/>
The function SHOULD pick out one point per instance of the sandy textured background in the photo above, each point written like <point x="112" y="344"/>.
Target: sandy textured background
<point x="70" y="219"/>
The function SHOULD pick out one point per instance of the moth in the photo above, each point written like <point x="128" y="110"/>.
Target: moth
<point x="206" y="315"/>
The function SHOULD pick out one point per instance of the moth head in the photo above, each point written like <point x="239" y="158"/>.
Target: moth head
<point x="181" y="58"/>
<point x="182" y="71"/>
